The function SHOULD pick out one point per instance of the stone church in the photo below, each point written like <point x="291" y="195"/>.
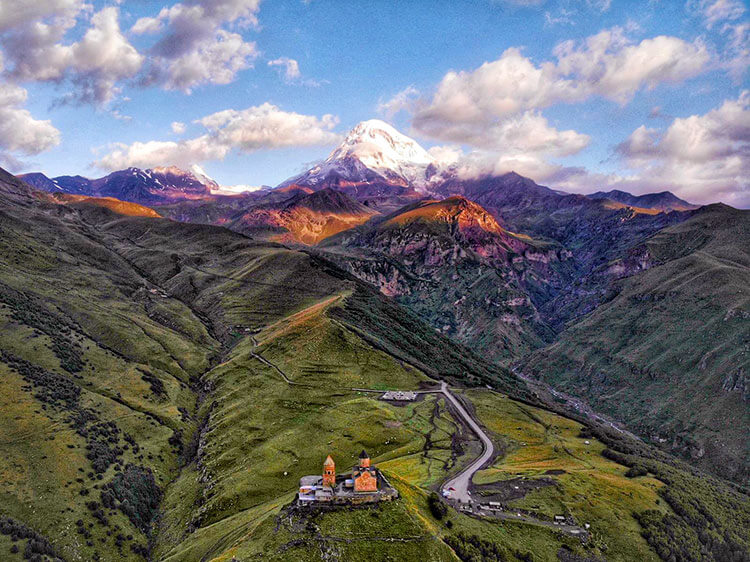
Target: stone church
<point x="365" y="484"/>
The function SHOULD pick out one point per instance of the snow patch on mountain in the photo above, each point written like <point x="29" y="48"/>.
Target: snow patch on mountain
<point x="374" y="149"/>
<point x="201" y="175"/>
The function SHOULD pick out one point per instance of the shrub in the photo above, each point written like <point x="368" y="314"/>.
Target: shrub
<point x="471" y="548"/>
<point x="437" y="507"/>
<point x="37" y="547"/>
<point x="134" y="492"/>
<point x="157" y="387"/>
<point x="636" y="470"/>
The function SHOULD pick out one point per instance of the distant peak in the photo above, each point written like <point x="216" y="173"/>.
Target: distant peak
<point x="663" y="200"/>
<point x="385" y="137"/>
<point x="330" y="201"/>
<point x="373" y="151"/>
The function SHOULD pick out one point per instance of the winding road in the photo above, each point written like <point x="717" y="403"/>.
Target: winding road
<point x="459" y="485"/>
<point x="461" y="482"/>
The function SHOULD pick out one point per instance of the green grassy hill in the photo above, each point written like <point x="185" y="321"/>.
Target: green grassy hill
<point x="137" y="421"/>
<point x="668" y="353"/>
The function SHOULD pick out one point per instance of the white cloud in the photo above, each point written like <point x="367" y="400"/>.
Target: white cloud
<point x="196" y="48"/>
<point x="738" y="49"/>
<point x="266" y="126"/>
<point x="607" y="64"/>
<point x="405" y="100"/>
<point x="236" y="189"/>
<point x="480" y="163"/>
<point x="15" y="13"/>
<point x="177" y="127"/>
<point x="95" y="64"/>
<point x="214" y="61"/>
<point x="147" y="25"/>
<point x="521" y="144"/>
<point x="447" y="155"/>
<point x="495" y="109"/>
<point x="734" y="44"/>
<point x="256" y="128"/>
<point x="528" y="132"/>
<point x="289" y="66"/>
<point x="563" y="17"/>
<point x="19" y="131"/>
<point x="701" y="157"/>
<point x="714" y="11"/>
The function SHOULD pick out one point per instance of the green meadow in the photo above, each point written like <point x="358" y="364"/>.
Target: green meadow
<point x="137" y="422"/>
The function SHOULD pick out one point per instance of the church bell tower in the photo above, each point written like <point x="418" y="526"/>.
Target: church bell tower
<point x="329" y="472"/>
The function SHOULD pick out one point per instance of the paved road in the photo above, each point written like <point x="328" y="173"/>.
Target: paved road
<point x="462" y="480"/>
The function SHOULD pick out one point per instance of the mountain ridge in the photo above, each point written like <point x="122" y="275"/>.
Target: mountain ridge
<point x="305" y="218"/>
<point x="662" y="201"/>
<point x="157" y="185"/>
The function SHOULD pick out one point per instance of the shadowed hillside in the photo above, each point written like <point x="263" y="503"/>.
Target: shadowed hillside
<point x="668" y="350"/>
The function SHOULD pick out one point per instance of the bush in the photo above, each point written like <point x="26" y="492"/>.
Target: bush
<point x="635" y="471"/>
<point x="157" y="387"/>
<point x="35" y="314"/>
<point x="37" y="547"/>
<point x="709" y="516"/>
<point x="585" y="432"/>
<point x="134" y="492"/>
<point x="437" y="507"/>
<point x="471" y="548"/>
<point x="63" y="394"/>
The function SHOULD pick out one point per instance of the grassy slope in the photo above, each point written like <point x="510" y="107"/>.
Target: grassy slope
<point x="252" y="457"/>
<point x="53" y="276"/>
<point x="663" y="355"/>
<point x="93" y="273"/>
<point x="591" y="488"/>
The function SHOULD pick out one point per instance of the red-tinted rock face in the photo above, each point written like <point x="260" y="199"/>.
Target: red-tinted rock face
<point x="306" y="218"/>
<point x="454" y="263"/>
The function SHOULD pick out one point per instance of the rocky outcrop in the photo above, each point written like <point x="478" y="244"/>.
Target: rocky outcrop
<point x="454" y="263"/>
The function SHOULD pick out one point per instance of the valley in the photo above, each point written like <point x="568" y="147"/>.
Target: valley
<point x="174" y="360"/>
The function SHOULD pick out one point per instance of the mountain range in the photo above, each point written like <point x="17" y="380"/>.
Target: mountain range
<point x="499" y="263"/>
<point x="173" y="359"/>
<point x="664" y="201"/>
<point x="151" y="187"/>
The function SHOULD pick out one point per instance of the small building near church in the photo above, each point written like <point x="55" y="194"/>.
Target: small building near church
<point x="364" y="484"/>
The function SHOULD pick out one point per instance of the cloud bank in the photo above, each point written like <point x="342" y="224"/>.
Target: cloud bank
<point x="256" y="128"/>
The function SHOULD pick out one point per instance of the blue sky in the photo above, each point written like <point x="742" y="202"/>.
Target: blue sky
<point x="575" y="127"/>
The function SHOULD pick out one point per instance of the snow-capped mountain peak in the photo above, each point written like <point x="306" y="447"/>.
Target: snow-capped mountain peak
<point x="373" y="150"/>
<point x="379" y="146"/>
<point x="202" y="176"/>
